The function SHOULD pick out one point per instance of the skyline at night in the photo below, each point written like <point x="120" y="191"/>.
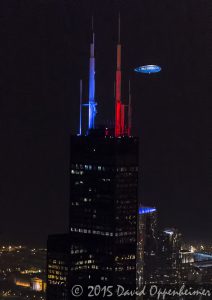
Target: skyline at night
<point x="42" y="66"/>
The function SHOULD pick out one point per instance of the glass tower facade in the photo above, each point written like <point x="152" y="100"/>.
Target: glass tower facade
<point x="147" y="246"/>
<point x="101" y="245"/>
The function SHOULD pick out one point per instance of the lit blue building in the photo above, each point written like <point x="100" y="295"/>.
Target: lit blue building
<point x="147" y="246"/>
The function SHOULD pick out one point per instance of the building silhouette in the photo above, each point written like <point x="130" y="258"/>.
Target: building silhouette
<point x="169" y="267"/>
<point x="100" y="247"/>
<point x="147" y="246"/>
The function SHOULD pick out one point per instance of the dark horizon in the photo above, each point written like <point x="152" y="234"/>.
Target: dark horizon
<point x="46" y="52"/>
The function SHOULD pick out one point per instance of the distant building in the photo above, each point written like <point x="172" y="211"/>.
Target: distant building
<point x="187" y="259"/>
<point x="147" y="246"/>
<point x="58" y="255"/>
<point x="23" y="281"/>
<point x="37" y="284"/>
<point x="201" y="268"/>
<point x="169" y="256"/>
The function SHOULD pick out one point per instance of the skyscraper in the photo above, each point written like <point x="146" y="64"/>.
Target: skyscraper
<point x="104" y="205"/>
<point x="102" y="240"/>
<point x="207" y="17"/>
<point x="100" y="247"/>
<point x="169" y="256"/>
<point x="147" y="246"/>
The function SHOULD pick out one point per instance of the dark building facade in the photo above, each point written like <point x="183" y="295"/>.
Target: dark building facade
<point x="207" y="17"/>
<point x="187" y="259"/>
<point x="147" y="246"/>
<point x="169" y="256"/>
<point x="101" y="245"/>
<point x="58" y="248"/>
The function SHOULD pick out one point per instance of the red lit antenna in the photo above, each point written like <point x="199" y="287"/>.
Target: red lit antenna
<point x="120" y="128"/>
<point x="119" y="107"/>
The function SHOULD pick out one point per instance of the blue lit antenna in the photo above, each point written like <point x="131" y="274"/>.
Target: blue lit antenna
<point x="92" y="104"/>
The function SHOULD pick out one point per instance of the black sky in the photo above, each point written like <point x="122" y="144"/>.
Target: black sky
<point x="44" y="52"/>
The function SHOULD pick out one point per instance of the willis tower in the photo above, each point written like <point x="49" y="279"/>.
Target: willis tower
<point x="100" y="247"/>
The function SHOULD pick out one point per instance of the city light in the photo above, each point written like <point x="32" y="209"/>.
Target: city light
<point x="169" y="231"/>
<point x="146" y="210"/>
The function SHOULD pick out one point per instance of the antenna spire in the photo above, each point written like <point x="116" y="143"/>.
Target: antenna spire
<point x="119" y="29"/>
<point x="92" y="104"/>
<point x="92" y="28"/>
<point x="80" y="120"/>
<point x="129" y="112"/>
<point x="92" y="23"/>
<point x="119" y="107"/>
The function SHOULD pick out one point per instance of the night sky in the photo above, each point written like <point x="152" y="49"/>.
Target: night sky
<point x="44" y="53"/>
